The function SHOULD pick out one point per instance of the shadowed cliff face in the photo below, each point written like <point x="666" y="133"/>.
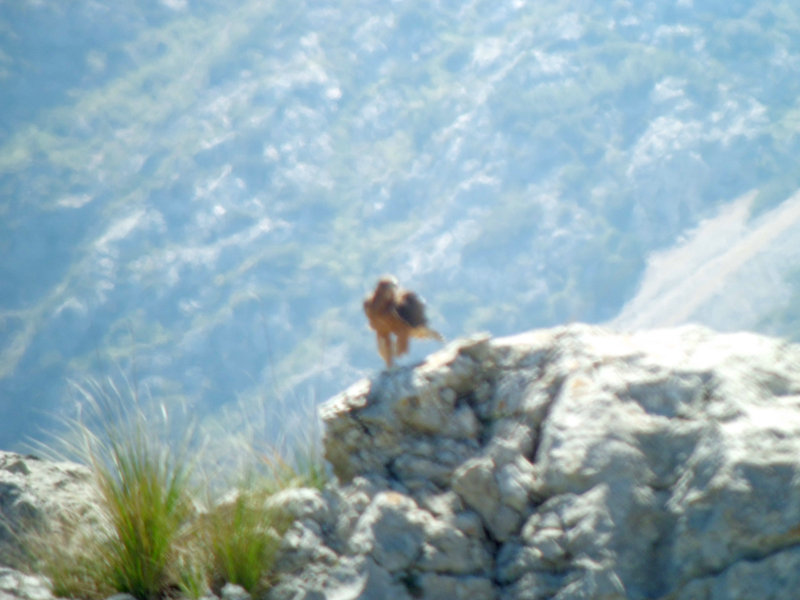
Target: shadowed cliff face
<point x="566" y="463"/>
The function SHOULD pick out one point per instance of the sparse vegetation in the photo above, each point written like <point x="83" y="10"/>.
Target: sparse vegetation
<point x="156" y="539"/>
<point x="145" y="495"/>
<point x="242" y="536"/>
<point x="249" y="181"/>
<point x="68" y="557"/>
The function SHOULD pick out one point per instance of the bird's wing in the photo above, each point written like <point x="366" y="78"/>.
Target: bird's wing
<point x="411" y="309"/>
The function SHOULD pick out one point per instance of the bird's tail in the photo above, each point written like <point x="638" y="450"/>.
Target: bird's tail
<point x="427" y="332"/>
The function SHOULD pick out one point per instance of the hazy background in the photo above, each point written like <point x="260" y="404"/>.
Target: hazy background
<point x="196" y="194"/>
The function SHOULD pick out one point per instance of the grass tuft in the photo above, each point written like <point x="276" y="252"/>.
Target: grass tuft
<point x="153" y="541"/>
<point x="145" y="493"/>
<point x="243" y="537"/>
<point x="143" y="483"/>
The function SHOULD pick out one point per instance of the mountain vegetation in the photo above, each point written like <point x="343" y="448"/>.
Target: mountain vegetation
<point x="197" y="193"/>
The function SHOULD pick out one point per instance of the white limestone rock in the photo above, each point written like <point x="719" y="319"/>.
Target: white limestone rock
<point x="597" y="464"/>
<point x="569" y="463"/>
<point x="15" y="585"/>
<point x="391" y="530"/>
<point x="38" y="495"/>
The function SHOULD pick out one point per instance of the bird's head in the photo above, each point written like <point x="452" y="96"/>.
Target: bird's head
<point x="387" y="283"/>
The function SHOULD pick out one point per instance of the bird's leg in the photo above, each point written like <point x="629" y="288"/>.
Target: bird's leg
<point x="385" y="348"/>
<point x="402" y="343"/>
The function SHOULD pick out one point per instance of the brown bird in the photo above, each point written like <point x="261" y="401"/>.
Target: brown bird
<point x="391" y="310"/>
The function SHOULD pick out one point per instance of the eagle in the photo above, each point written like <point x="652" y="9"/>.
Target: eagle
<point x="391" y="310"/>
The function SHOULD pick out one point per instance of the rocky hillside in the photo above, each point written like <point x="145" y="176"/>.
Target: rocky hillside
<point x="197" y="194"/>
<point x="565" y="463"/>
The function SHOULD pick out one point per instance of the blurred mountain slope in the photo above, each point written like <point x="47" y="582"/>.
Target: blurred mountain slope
<point x="197" y="194"/>
<point x="730" y="273"/>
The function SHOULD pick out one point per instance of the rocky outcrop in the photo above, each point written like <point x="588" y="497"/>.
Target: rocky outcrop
<point x="23" y="586"/>
<point x="37" y="496"/>
<point x="568" y="463"/>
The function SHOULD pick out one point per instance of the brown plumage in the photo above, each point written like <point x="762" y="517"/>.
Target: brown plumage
<point x="391" y="310"/>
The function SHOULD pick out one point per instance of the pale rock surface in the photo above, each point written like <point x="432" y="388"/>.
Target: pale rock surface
<point x="572" y="463"/>
<point x="22" y="586"/>
<point x="38" y="495"/>
<point x="232" y="591"/>
<point x="567" y="463"/>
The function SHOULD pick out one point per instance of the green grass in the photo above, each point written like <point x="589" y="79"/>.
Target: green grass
<point x="154" y="540"/>
<point x="243" y="535"/>
<point x="145" y="493"/>
<point x="143" y="483"/>
<point x="309" y="465"/>
<point x="243" y="531"/>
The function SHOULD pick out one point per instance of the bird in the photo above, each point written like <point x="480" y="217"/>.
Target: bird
<point x="392" y="310"/>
